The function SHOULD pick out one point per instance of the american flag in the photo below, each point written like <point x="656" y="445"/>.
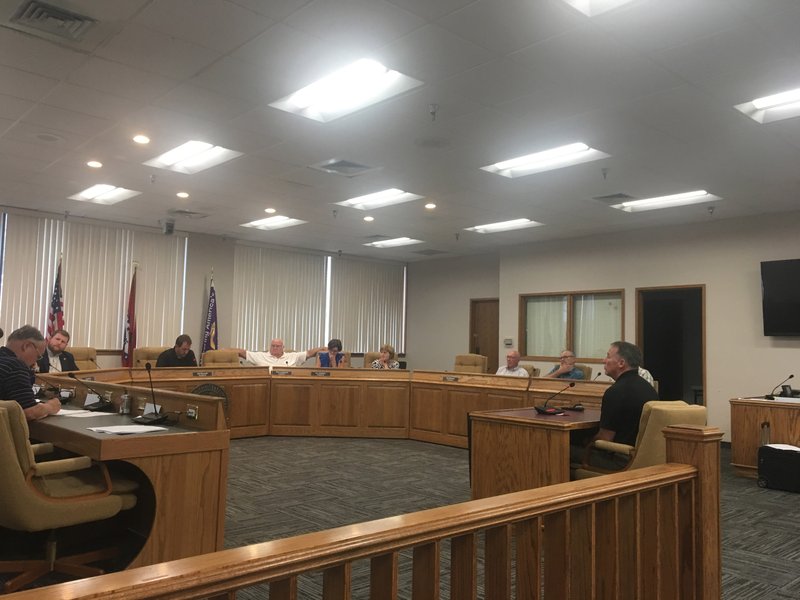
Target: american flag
<point x="55" y="315"/>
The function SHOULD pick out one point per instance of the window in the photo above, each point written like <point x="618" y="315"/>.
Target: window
<point x="584" y="322"/>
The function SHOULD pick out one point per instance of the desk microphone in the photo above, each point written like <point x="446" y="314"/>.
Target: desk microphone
<point x="551" y="410"/>
<point x="156" y="417"/>
<point x="102" y="405"/>
<point x="771" y="396"/>
<point x="598" y="375"/>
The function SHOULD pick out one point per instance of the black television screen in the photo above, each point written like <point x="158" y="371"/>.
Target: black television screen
<point x="780" y="297"/>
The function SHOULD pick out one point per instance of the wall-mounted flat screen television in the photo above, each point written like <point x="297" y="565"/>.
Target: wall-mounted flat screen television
<point x="780" y="297"/>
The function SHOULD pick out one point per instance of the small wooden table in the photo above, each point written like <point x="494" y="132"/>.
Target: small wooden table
<point x="518" y="449"/>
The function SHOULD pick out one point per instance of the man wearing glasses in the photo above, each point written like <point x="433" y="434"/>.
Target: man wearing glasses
<point x="566" y="368"/>
<point x="23" y="348"/>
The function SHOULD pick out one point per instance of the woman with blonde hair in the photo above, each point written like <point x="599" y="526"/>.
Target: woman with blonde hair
<point x="386" y="361"/>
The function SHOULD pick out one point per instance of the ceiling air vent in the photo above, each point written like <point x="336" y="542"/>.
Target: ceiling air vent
<point x="614" y="198"/>
<point x="339" y="166"/>
<point x="52" y="20"/>
<point x="182" y="212"/>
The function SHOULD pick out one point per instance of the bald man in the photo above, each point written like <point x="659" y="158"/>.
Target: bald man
<point x="276" y="357"/>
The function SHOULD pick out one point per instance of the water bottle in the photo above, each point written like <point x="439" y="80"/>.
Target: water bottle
<point x="125" y="404"/>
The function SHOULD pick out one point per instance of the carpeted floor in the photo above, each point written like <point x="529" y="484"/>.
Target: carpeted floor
<point x="280" y="487"/>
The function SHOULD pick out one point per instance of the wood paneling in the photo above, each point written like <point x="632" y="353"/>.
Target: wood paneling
<point x="755" y="422"/>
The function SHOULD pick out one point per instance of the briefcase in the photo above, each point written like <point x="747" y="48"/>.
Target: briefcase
<point x="779" y="469"/>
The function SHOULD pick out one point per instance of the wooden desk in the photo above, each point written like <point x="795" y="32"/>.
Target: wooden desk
<point x="187" y="470"/>
<point x="519" y="449"/>
<point x="749" y="417"/>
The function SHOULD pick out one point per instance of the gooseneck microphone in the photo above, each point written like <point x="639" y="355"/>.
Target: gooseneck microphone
<point x="550" y="410"/>
<point x="598" y="375"/>
<point x="102" y="405"/>
<point x="771" y="395"/>
<point x="155" y="417"/>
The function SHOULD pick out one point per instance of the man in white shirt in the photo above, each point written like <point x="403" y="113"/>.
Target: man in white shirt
<point x="512" y="367"/>
<point x="276" y="357"/>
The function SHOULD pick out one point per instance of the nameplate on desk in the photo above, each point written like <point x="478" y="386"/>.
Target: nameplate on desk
<point x="321" y="373"/>
<point x="88" y="378"/>
<point x="449" y="378"/>
<point x="202" y="373"/>
<point x="281" y="372"/>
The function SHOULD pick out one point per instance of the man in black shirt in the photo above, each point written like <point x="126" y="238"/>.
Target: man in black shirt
<point x="24" y="347"/>
<point x="179" y="356"/>
<point x="622" y="404"/>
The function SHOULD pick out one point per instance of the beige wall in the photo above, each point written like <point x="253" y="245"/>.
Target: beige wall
<point x="722" y="255"/>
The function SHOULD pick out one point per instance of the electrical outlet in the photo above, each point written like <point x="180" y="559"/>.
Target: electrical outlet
<point x="192" y="411"/>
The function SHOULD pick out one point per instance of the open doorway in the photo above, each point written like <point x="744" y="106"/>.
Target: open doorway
<point x="670" y="330"/>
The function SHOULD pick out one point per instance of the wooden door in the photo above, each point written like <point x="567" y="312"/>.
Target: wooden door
<point x="484" y="329"/>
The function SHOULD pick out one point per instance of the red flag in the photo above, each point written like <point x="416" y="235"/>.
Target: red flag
<point x="129" y="342"/>
<point x="55" y="315"/>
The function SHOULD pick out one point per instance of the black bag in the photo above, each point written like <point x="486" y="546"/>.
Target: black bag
<point x="779" y="469"/>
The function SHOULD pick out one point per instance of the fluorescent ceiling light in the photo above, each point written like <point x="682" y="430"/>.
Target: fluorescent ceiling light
<point x="685" y="198"/>
<point x="592" y="8"/>
<point x="504" y="226"/>
<point x="380" y="199"/>
<point x="276" y="222"/>
<point x="104" y="193"/>
<point x="547" y="160"/>
<point x="192" y="157"/>
<point x="347" y="90"/>
<point x="401" y="241"/>
<point x="777" y="107"/>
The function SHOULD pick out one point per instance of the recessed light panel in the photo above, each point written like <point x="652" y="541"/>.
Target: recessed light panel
<point x="104" y="193"/>
<point x="695" y="197"/>
<point x="393" y="243"/>
<point x="380" y="199"/>
<point x="547" y="160"/>
<point x="276" y="222"/>
<point x="504" y="226"/>
<point x="777" y="107"/>
<point x="347" y="90"/>
<point x="592" y="8"/>
<point x="192" y="157"/>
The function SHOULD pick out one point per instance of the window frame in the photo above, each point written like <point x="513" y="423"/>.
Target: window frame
<point x="569" y="341"/>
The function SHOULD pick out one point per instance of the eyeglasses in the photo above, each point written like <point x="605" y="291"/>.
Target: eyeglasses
<point x="566" y="357"/>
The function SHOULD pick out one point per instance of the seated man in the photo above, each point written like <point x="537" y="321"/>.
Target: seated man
<point x="566" y="369"/>
<point x="24" y="347"/>
<point x="622" y="404"/>
<point x="56" y="358"/>
<point x="276" y="357"/>
<point x="512" y="367"/>
<point x="179" y="356"/>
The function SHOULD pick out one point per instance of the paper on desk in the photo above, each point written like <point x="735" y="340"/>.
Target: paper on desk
<point x="126" y="429"/>
<point x="81" y="413"/>
<point x="784" y="447"/>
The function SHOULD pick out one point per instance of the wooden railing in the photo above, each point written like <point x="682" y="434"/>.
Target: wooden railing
<point x="651" y="533"/>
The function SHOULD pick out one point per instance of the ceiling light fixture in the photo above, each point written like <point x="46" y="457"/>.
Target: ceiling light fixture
<point x="276" y="222"/>
<point x="141" y="139"/>
<point x="695" y="197"/>
<point x="345" y="91"/>
<point x="430" y="206"/>
<point x="777" y="107"/>
<point x="270" y="211"/>
<point x="94" y="164"/>
<point x="592" y="8"/>
<point x="369" y="219"/>
<point x="104" y="193"/>
<point x="192" y="157"/>
<point x="547" y="160"/>
<point x="182" y="194"/>
<point x="380" y="199"/>
<point x="393" y="243"/>
<point x="504" y="226"/>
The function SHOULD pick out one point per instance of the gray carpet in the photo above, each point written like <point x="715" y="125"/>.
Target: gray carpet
<point x="280" y="487"/>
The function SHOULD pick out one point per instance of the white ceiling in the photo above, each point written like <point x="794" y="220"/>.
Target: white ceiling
<point x="653" y="84"/>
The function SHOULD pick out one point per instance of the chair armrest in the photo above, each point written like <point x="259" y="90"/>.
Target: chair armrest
<point x="44" y="448"/>
<point x="64" y="465"/>
<point x="614" y="447"/>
